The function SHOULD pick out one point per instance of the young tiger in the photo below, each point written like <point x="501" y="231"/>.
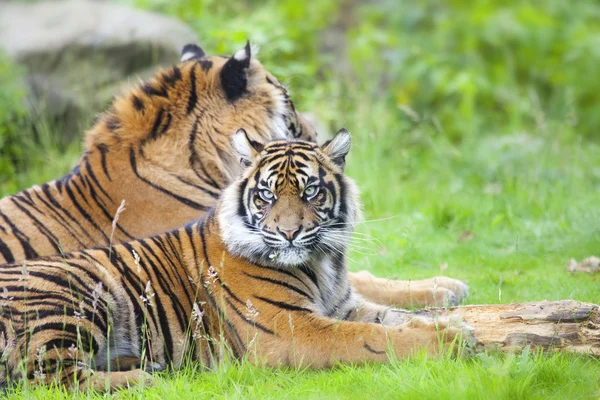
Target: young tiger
<point x="164" y="147"/>
<point x="263" y="274"/>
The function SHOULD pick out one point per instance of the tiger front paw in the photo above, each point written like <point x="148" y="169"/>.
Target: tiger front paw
<point x="440" y="334"/>
<point x="439" y="291"/>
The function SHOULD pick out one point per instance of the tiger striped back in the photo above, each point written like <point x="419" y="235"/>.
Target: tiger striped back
<point x="176" y="296"/>
<point x="163" y="147"/>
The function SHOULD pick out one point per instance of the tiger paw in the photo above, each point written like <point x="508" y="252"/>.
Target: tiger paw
<point x="443" y="334"/>
<point x="102" y="380"/>
<point x="396" y="316"/>
<point x="438" y="291"/>
<point x="459" y="288"/>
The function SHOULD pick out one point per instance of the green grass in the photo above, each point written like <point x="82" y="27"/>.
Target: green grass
<point x="524" y="376"/>
<point x="492" y="170"/>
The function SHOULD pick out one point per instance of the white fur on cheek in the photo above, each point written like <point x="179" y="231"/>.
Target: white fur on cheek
<point x="239" y="239"/>
<point x="278" y="124"/>
<point x="241" y="145"/>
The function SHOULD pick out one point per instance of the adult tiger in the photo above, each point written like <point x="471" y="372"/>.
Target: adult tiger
<point x="164" y="148"/>
<point x="262" y="274"/>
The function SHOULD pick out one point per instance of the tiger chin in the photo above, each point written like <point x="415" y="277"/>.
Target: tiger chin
<point x="262" y="275"/>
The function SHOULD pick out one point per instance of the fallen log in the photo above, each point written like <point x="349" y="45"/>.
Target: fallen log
<point x="565" y="325"/>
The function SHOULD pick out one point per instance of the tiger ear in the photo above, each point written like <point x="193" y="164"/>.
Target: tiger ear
<point x="338" y="147"/>
<point x="234" y="74"/>
<point x="191" y="52"/>
<point x="246" y="148"/>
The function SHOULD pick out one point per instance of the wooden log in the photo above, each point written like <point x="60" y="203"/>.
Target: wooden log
<point x="565" y="325"/>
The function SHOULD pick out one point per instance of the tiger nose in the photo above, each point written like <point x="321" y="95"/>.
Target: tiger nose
<point x="289" y="234"/>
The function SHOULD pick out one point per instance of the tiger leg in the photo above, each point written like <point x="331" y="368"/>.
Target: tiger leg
<point x="61" y="365"/>
<point x="320" y="342"/>
<point x="367" y="311"/>
<point x="438" y="291"/>
<point x="102" y="380"/>
<point x="46" y="365"/>
<point x="67" y="356"/>
<point x="127" y="363"/>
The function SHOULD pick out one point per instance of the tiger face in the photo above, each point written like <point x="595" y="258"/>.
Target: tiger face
<point x="293" y="203"/>
<point x="247" y="89"/>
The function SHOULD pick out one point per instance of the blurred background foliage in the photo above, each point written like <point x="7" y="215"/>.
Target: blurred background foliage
<point x="13" y="141"/>
<point x="474" y="66"/>
<point x="442" y="67"/>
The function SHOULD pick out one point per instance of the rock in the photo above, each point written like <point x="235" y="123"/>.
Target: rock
<point x="78" y="52"/>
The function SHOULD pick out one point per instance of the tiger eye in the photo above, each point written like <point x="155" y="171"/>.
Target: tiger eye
<point x="311" y="191"/>
<point x="266" y="195"/>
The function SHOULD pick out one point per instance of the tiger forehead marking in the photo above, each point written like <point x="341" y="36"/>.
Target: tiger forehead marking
<point x="289" y="166"/>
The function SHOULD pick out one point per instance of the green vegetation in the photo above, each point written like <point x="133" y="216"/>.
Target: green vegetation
<point x="475" y="148"/>
<point x="27" y="143"/>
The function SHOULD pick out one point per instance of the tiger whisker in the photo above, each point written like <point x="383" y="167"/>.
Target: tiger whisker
<point x="328" y="246"/>
<point x="369" y="240"/>
<point x="356" y="223"/>
<point x="363" y="241"/>
<point x="338" y="251"/>
<point x="356" y="246"/>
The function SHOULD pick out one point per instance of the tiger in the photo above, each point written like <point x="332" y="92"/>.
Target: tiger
<point x="164" y="148"/>
<point x="261" y="277"/>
